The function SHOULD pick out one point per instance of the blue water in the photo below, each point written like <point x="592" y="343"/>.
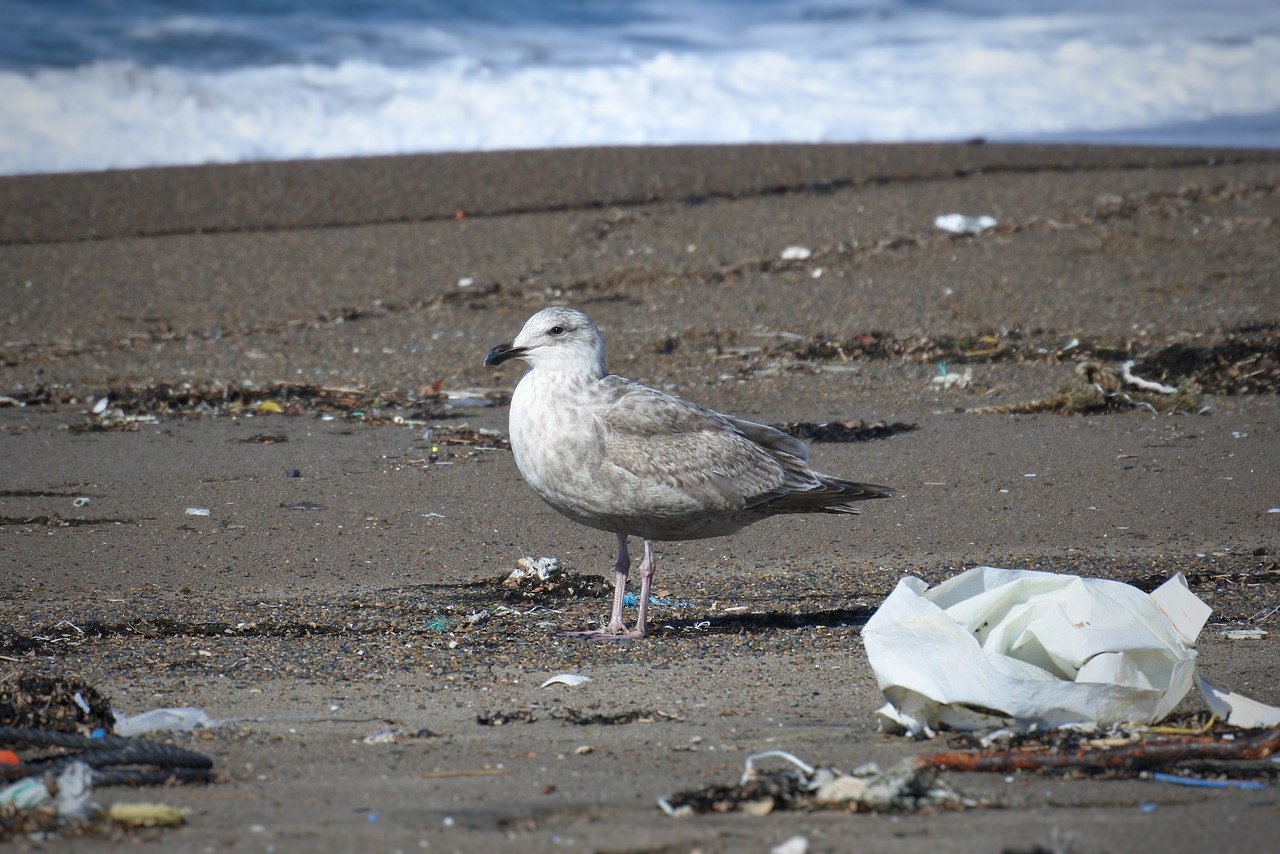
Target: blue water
<point x="97" y="84"/>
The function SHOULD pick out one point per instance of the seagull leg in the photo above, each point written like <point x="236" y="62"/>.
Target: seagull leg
<point x="647" y="568"/>
<point x="617" y="628"/>
<point x="620" y="569"/>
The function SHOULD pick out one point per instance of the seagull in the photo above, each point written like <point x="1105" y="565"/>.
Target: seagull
<point x="616" y="455"/>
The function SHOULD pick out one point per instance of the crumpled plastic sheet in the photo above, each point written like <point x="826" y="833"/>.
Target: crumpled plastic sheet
<point x="1030" y="650"/>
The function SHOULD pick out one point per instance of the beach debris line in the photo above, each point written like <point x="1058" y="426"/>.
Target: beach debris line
<point x="126" y="408"/>
<point x="1241" y="360"/>
<point x="1226" y="753"/>
<point x="1095" y="389"/>
<point x="801" y="786"/>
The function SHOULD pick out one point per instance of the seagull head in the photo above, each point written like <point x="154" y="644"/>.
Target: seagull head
<point x="555" y="339"/>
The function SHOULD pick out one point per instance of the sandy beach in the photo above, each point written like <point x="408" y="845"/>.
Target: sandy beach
<point x="296" y="348"/>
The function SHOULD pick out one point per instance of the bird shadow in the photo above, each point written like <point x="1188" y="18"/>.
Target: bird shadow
<point x="767" y="621"/>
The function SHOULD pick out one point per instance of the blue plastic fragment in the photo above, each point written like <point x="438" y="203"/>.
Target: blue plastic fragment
<point x="630" y="600"/>
<point x="1207" y="784"/>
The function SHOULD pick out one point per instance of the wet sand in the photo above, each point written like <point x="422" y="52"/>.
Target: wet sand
<point x="368" y="290"/>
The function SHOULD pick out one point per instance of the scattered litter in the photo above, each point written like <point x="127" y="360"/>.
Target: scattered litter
<point x="635" y="716"/>
<point x="960" y="224"/>
<point x="1245" y="634"/>
<point x="303" y="505"/>
<point x="1126" y="374"/>
<point x="177" y="719"/>
<point x="101" y="405"/>
<point x="1201" y="782"/>
<point x="523" y="716"/>
<point x="148" y="815"/>
<point x="795" y="253"/>
<point x="1032" y="650"/>
<point x="1118" y="753"/>
<point x="583" y="750"/>
<point x="1238" y="710"/>
<point x="396" y="736"/>
<point x="26" y="794"/>
<point x="82" y="501"/>
<point x="570" y="679"/>
<point x="463" y="772"/>
<point x="630" y="600"/>
<point x="947" y="379"/>
<point x="542" y="568"/>
<point x="1093" y="388"/>
<point x="795" y="845"/>
<point x="268" y="406"/>
<point x="903" y="788"/>
<point x="197" y="511"/>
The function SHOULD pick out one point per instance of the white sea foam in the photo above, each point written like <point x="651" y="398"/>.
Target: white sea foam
<point x="1022" y="76"/>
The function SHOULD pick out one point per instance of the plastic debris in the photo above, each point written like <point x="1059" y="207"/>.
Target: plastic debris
<point x="1201" y="782"/>
<point x="796" y="253"/>
<point x="1016" y="648"/>
<point x="1031" y="650"/>
<point x="960" y="224"/>
<point x="26" y="794"/>
<point x="197" y="511"/>
<point x="178" y="719"/>
<point x="71" y="791"/>
<point x="570" y="679"/>
<point x="1245" y="634"/>
<point x="542" y="568"/>
<point x="1094" y="388"/>
<point x="902" y="788"/>
<point x="795" y="845"/>
<point x="395" y="736"/>
<point x="148" y="815"/>
<point x="1238" y="710"/>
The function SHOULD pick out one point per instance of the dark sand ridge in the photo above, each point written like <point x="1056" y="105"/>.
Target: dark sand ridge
<point x="346" y="274"/>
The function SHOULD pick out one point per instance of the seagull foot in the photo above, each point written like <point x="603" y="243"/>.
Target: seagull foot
<point x="607" y="634"/>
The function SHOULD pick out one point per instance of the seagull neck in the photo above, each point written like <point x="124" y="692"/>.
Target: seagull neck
<point x="576" y="375"/>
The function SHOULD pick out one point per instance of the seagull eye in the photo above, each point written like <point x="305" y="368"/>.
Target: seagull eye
<point x="556" y="330"/>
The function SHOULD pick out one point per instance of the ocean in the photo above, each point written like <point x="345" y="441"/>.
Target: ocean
<point x="107" y="84"/>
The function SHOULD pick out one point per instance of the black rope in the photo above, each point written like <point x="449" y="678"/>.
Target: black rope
<point x="173" y="763"/>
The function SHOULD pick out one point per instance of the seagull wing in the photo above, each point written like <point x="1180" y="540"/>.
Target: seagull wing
<point x="720" y="462"/>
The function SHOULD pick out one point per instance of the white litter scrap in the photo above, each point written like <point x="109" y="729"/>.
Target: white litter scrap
<point x="795" y="253"/>
<point x="1034" y="650"/>
<point x="570" y="679"/>
<point x="902" y="788"/>
<point x="174" y="719"/>
<point x="542" y="568"/>
<point x="960" y="224"/>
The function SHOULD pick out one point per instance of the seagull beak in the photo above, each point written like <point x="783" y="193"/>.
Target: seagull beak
<point x="502" y="353"/>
